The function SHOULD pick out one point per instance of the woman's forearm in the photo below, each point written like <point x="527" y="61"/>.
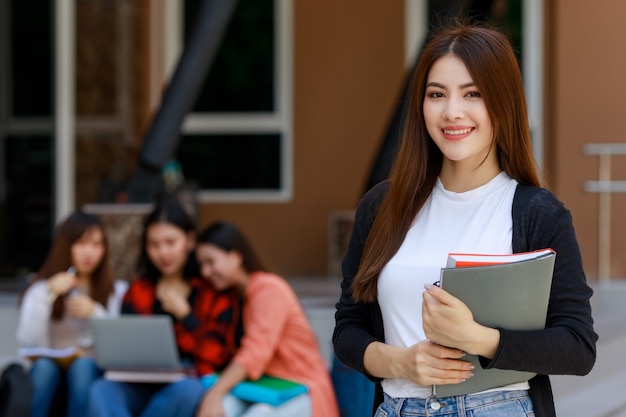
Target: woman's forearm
<point x="382" y="360"/>
<point x="231" y="376"/>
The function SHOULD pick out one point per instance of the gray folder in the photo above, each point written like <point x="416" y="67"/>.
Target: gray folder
<point x="513" y="296"/>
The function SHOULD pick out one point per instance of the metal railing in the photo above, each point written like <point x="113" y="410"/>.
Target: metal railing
<point x="604" y="186"/>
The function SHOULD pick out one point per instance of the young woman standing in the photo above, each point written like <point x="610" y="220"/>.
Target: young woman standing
<point x="464" y="180"/>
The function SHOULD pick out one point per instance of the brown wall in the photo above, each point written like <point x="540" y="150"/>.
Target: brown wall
<point x="585" y="89"/>
<point x="348" y="71"/>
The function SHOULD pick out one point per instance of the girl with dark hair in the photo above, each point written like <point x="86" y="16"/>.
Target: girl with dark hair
<point x="74" y="283"/>
<point x="463" y="180"/>
<point x="205" y="321"/>
<point x="277" y="337"/>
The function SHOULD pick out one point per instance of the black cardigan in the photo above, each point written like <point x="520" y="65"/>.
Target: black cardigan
<point x="567" y="345"/>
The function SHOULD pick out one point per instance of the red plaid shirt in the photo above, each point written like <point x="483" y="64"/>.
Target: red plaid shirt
<point x="207" y="336"/>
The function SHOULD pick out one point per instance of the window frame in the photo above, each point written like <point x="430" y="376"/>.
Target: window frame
<point x="279" y="121"/>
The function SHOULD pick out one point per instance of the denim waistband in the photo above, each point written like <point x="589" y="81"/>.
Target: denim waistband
<point x="450" y="405"/>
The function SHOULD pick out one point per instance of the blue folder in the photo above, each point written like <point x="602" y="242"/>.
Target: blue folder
<point x="266" y="389"/>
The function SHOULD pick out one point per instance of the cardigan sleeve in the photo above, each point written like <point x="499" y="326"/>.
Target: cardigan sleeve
<point x="34" y="319"/>
<point x="357" y="324"/>
<point x="264" y="321"/>
<point x="568" y="343"/>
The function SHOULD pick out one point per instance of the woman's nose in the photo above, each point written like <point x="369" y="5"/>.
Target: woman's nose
<point x="453" y="109"/>
<point x="205" y="271"/>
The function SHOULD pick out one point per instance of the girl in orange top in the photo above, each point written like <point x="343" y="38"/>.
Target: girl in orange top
<point x="277" y="337"/>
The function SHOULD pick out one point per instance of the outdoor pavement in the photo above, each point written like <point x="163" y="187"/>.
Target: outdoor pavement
<point x="599" y="394"/>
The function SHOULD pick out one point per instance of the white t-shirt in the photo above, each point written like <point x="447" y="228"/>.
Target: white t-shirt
<point x="478" y="220"/>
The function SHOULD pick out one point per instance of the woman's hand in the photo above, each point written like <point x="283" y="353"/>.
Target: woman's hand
<point x="447" y="321"/>
<point x="424" y="363"/>
<point x="432" y="364"/>
<point x="80" y="306"/>
<point x="211" y="405"/>
<point x="174" y="301"/>
<point x="60" y="283"/>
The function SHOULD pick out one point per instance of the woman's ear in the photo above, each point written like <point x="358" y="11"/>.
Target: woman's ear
<point x="191" y="240"/>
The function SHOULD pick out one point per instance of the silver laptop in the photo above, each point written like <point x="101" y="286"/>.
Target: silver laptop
<point x="135" y="342"/>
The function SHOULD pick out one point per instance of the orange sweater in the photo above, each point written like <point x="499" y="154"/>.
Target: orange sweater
<point x="279" y="341"/>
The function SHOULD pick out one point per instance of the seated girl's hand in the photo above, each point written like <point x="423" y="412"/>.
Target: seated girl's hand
<point x="211" y="406"/>
<point x="174" y="302"/>
<point x="80" y="306"/>
<point x="61" y="283"/>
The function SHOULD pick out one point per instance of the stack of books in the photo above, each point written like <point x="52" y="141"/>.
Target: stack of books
<point x="266" y="389"/>
<point x="506" y="291"/>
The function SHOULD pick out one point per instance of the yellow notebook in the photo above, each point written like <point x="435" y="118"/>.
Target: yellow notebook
<point x="64" y="357"/>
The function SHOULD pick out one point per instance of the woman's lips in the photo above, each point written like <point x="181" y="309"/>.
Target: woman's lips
<point x="457" y="133"/>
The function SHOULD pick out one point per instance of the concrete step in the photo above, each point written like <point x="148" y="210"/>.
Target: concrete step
<point x="601" y="393"/>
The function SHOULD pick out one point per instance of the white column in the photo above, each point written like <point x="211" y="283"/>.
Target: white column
<point x="65" y="108"/>
<point x="532" y="32"/>
<point x="415" y="29"/>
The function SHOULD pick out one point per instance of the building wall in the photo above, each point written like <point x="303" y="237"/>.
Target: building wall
<point x="585" y="89"/>
<point x="348" y="73"/>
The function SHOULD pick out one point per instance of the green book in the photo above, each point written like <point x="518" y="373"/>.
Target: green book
<point x="267" y="389"/>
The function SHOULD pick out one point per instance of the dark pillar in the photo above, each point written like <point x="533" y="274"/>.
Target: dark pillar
<point x="163" y="135"/>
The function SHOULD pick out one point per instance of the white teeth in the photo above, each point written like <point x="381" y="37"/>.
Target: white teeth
<point x="457" y="132"/>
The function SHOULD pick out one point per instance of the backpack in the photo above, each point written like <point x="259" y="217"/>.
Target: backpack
<point x="16" y="391"/>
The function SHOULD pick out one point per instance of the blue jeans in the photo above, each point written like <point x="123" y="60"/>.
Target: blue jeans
<point x="492" y="404"/>
<point x="122" y="399"/>
<point x="49" y="378"/>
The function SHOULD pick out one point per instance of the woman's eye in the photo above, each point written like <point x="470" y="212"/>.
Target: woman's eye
<point x="435" y="94"/>
<point x="473" y="94"/>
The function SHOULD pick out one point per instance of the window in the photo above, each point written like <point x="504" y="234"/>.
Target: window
<point x="236" y="143"/>
<point x="26" y="135"/>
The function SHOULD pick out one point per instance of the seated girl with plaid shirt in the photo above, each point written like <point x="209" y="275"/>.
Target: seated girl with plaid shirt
<point x="205" y="321"/>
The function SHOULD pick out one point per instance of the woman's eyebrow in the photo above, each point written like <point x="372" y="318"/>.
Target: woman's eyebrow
<point x="462" y="86"/>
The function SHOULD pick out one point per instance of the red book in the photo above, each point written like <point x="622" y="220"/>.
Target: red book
<point x="464" y="260"/>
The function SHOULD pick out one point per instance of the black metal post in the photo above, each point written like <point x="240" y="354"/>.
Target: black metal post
<point x="163" y="135"/>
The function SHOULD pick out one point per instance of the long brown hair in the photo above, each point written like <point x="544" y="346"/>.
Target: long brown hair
<point x="59" y="259"/>
<point x="228" y="237"/>
<point x="489" y="57"/>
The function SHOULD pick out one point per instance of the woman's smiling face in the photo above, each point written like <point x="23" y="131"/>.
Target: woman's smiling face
<point x="221" y="268"/>
<point x="455" y="113"/>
